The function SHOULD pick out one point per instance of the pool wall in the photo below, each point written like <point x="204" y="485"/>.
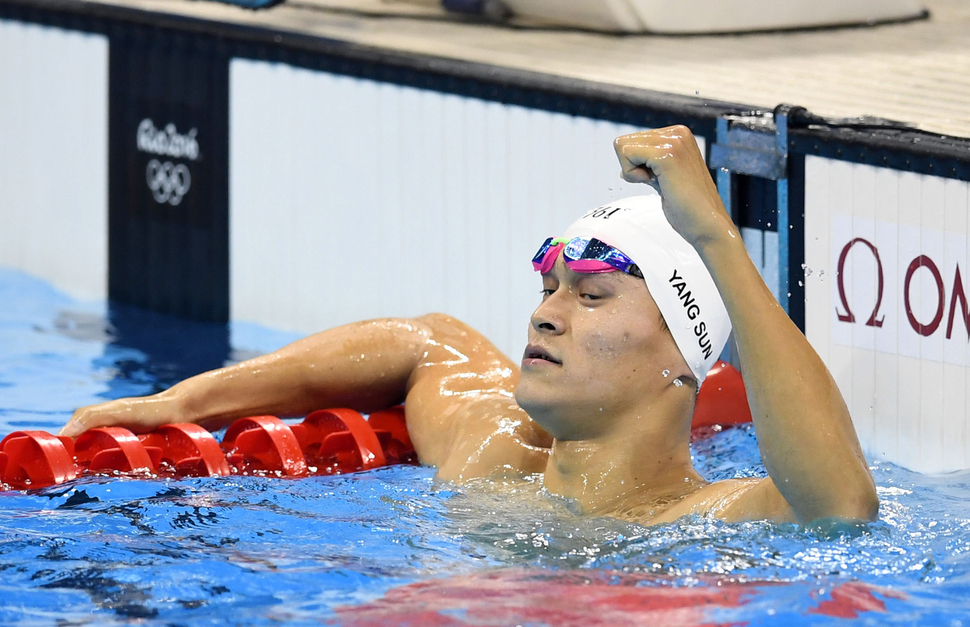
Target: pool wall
<point x="394" y="200"/>
<point x="53" y="155"/>
<point x="252" y="174"/>
<point x="889" y="314"/>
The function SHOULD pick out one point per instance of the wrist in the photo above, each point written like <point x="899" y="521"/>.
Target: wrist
<point x="181" y="405"/>
<point x="720" y="238"/>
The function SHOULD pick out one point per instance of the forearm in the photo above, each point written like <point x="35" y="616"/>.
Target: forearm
<point x="365" y="366"/>
<point x="805" y="433"/>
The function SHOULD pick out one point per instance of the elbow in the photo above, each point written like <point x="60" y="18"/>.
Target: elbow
<point x="858" y="505"/>
<point x="871" y="504"/>
<point x="862" y="507"/>
<point x="854" y="498"/>
<point x="863" y="501"/>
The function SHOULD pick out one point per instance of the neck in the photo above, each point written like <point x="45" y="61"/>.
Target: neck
<point x="642" y="460"/>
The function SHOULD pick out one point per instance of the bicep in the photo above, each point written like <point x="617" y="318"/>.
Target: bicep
<point x="364" y="365"/>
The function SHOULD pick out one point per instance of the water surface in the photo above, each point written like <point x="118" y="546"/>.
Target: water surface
<point x="395" y="546"/>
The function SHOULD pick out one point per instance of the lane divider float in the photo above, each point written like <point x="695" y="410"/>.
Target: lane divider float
<point x="327" y="442"/>
<point x="722" y="400"/>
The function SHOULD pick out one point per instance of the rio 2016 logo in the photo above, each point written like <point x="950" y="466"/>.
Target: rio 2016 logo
<point x="168" y="182"/>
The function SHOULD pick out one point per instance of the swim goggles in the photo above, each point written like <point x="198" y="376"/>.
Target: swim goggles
<point x="583" y="254"/>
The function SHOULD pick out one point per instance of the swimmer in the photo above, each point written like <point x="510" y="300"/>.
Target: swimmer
<point x="602" y="403"/>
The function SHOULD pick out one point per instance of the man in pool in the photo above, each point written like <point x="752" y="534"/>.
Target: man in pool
<point x="629" y="323"/>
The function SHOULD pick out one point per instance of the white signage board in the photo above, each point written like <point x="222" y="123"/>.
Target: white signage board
<point x="886" y="290"/>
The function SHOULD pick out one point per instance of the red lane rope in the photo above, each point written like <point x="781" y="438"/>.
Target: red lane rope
<point x="332" y="441"/>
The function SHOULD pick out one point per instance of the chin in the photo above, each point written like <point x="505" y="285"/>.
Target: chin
<point x="537" y="403"/>
<point x="524" y="396"/>
<point x="546" y="408"/>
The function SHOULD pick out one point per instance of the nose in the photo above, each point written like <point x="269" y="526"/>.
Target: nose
<point x="548" y="317"/>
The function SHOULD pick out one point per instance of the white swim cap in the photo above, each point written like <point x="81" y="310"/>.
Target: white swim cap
<point x="677" y="278"/>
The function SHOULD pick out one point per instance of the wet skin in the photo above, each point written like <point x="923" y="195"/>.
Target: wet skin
<point x="592" y="407"/>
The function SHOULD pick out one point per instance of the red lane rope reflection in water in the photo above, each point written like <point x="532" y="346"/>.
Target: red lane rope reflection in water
<point x="585" y="598"/>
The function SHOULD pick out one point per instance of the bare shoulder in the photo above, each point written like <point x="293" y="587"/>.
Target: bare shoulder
<point x="451" y="334"/>
<point x="732" y="500"/>
<point x="461" y="409"/>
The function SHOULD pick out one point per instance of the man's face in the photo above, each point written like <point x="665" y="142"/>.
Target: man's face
<point x="597" y="349"/>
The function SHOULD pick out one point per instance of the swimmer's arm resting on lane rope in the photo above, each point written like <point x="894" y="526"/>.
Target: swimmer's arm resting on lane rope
<point x="365" y="366"/>
<point x="805" y="433"/>
<point x="338" y="367"/>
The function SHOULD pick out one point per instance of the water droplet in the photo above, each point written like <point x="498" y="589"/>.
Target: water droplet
<point x="665" y="373"/>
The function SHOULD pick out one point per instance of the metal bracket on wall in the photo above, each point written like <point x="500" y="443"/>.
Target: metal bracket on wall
<point x="756" y="144"/>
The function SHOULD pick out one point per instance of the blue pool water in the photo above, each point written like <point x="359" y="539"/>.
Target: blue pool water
<point x="395" y="546"/>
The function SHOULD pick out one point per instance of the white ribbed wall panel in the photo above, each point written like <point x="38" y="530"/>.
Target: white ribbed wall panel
<point x="905" y="375"/>
<point x="54" y="156"/>
<point x="351" y="199"/>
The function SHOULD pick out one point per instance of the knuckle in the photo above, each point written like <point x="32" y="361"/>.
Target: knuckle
<point x="94" y="416"/>
<point x="82" y="416"/>
<point x="675" y="131"/>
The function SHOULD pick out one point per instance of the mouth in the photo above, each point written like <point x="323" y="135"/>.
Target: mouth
<point x="537" y="355"/>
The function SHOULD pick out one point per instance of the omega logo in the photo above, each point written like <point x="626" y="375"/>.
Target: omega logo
<point x="848" y="315"/>
<point x="922" y="327"/>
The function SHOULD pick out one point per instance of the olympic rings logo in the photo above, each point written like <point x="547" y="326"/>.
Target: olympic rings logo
<point x="169" y="182"/>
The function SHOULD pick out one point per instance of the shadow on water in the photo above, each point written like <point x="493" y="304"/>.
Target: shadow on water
<point x="127" y="599"/>
<point x="148" y="351"/>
